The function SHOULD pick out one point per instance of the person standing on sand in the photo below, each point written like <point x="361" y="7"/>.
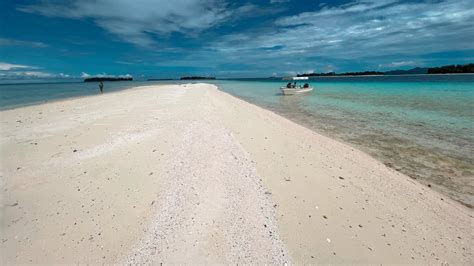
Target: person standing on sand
<point x="101" y="87"/>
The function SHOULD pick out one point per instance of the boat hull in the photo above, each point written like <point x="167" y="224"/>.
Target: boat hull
<point x="292" y="91"/>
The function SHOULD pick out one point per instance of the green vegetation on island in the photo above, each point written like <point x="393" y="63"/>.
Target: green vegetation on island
<point x="452" y="69"/>
<point x="449" y="69"/>
<point x="365" y="73"/>
<point x="196" y="78"/>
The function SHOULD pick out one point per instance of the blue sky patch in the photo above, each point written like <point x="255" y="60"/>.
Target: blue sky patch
<point x="161" y="39"/>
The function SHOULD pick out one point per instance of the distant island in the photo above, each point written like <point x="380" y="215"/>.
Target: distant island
<point x="196" y="78"/>
<point x="365" y="73"/>
<point x="449" y="69"/>
<point x="96" y="79"/>
<point x="452" y="69"/>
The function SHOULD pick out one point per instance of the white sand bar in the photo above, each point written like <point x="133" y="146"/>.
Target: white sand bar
<point x="189" y="174"/>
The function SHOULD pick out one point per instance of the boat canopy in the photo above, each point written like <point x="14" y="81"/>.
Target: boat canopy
<point x="295" y="78"/>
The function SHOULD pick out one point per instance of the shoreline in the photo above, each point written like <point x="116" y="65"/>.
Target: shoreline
<point x="246" y="101"/>
<point x="351" y="146"/>
<point x="397" y="182"/>
<point x="367" y="150"/>
<point x="331" y="204"/>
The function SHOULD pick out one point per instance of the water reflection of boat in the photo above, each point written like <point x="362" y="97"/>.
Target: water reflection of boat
<point x="294" y="88"/>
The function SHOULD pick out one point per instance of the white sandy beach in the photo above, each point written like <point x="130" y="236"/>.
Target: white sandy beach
<point x="190" y="174"/>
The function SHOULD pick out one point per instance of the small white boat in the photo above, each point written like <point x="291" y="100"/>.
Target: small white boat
<point x="292" y="89"/>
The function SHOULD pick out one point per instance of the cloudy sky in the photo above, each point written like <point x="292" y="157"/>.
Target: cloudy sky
<point x="254" y="38"/>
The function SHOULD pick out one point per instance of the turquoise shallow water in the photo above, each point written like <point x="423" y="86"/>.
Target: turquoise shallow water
<point x="420" y="125"/>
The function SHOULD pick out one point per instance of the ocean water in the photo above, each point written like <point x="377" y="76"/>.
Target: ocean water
<point x="422" y="126"/>
<point x="14" y="94"/>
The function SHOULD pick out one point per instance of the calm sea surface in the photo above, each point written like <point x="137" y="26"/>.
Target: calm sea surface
<point x="14" y="95"/>
<point x="422" y="126"/>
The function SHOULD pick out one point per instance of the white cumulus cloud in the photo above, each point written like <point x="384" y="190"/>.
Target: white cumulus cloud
<point x="136" y="21"/>
<point x="25" y="75"/>
<point x="85" y="75"/>
<point x="15" y="71"/>
<point x="360" y="30"/>
<point x="399" y="64"/>
<point x="7" y="66"/>
<point x="104" y="75"/>
<point x="62" y="75"/>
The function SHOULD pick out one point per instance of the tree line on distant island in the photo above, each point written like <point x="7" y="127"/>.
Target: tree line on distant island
<point x="329" y="74"/>
<point x="450" y="69"/>
<point x="196" y="78"/>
